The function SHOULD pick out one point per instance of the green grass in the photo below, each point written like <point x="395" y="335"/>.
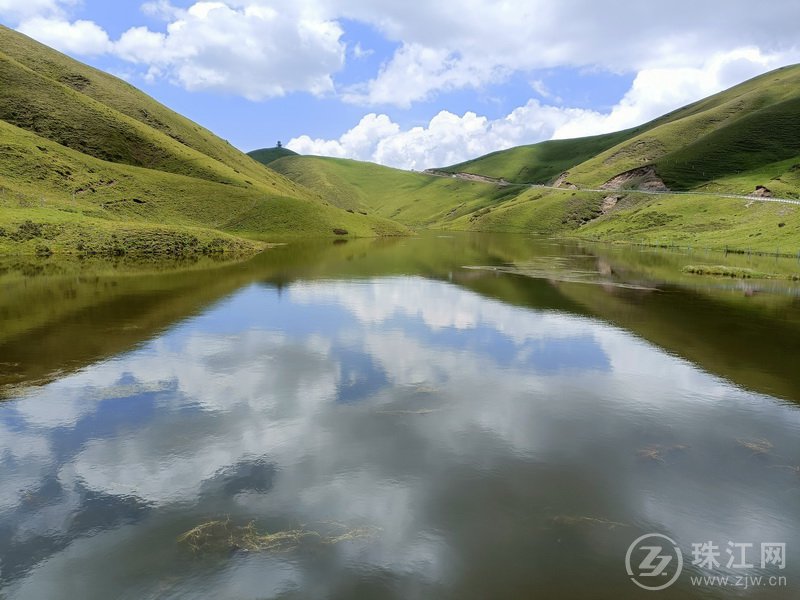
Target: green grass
<point x="418" y="200"/>
<point x="84" y="155"/>
<point x="50" y="72"/>
<point x="413" y="199"/>
<point x="40" y="179"/>
<point x="542" y="162"/>
<point x="268" y="155"/>
<point x="751" y="145"/>
<point x="701" y="222"/>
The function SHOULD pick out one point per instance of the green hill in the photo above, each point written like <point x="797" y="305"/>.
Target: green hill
<point x="413" y="199"/>
<point x="268" y="155"/>
<point x="751" y="129"/>
<point x="90" y="164"/>
<point x="539" y="163"/>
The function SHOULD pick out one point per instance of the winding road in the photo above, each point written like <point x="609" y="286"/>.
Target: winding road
<point x="481" y="178"/>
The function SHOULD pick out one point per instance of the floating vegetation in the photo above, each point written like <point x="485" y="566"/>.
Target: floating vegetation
<point x="657" y="452"/>
<point x="734" y="272"/>
<point x="652" y="453"/>
<point x="223" y="537"/>
<point x="759" y="447"/>
<point x="573" y="521"/>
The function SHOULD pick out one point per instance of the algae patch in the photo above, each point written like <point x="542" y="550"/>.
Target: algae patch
<point x="224" y="537"/>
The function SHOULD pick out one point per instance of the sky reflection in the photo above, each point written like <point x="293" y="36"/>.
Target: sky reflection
<point x="459" y="427"/>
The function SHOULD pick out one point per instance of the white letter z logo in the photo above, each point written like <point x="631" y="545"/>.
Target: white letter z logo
<point x="648" y="568"/>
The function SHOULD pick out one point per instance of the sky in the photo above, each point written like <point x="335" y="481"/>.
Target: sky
<point x="418" y="84"/>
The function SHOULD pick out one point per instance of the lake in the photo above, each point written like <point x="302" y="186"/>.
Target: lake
<point x="448" y="416"/>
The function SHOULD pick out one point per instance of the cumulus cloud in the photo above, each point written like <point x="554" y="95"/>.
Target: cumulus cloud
<point x="415" y="72"/>
<point x="255" y="51"/>
<point x="85" y="38"/>
<point x="263" y="48"/>
<point x="482" y="41"/>
<point x="449" y="138"/>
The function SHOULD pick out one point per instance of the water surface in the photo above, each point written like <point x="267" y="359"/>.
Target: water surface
<point x="373" y="420"/>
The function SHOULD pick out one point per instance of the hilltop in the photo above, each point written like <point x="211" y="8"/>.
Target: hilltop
<point x="90" y="164"/>
<point x="269" y="155"/>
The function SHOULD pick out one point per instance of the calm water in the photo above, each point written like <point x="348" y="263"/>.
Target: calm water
<point x="372" y="420"/>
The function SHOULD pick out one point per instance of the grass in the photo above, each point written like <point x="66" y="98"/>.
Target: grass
<point x="413" y="199"/>
<point x="701" y="222"/>
<point x="756" y="141"/>
<point x="108" y="97"/>
<point x="542" y="162"/>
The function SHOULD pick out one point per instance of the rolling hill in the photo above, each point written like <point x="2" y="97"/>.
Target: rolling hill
<point x="268" y="155"/>
<point x="413" y="199"/>
<point x="90" y="164"/>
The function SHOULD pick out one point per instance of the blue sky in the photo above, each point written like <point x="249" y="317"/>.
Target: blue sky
<point x="416" y="84"/>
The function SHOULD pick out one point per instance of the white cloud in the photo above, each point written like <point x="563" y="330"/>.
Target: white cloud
<point x="415" y="72"/>
<point x="264" y="48"/>
<point x="482" y="41"/>
<point x="19" y="10"/>
<point x="360" y="52"/>
<point x="254" y="51"/>
<point x="446" y="139"/>
<point x="359" y="142"/>
<point x="84" y="38"/>
<point x="449" y="138"/>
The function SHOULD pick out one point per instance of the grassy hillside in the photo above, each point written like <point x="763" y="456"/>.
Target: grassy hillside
<point x="116" y="95"/>
<point x="542" y="162"/>
<point x="752" y="129"/>
<point x="268" y="155"/>
<point x="413" y="199"/>
<point x="743" y="129"/>
<point x="89" y="164"/>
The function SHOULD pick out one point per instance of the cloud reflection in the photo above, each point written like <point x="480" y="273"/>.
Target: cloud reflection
<point x="264" y="408"/>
